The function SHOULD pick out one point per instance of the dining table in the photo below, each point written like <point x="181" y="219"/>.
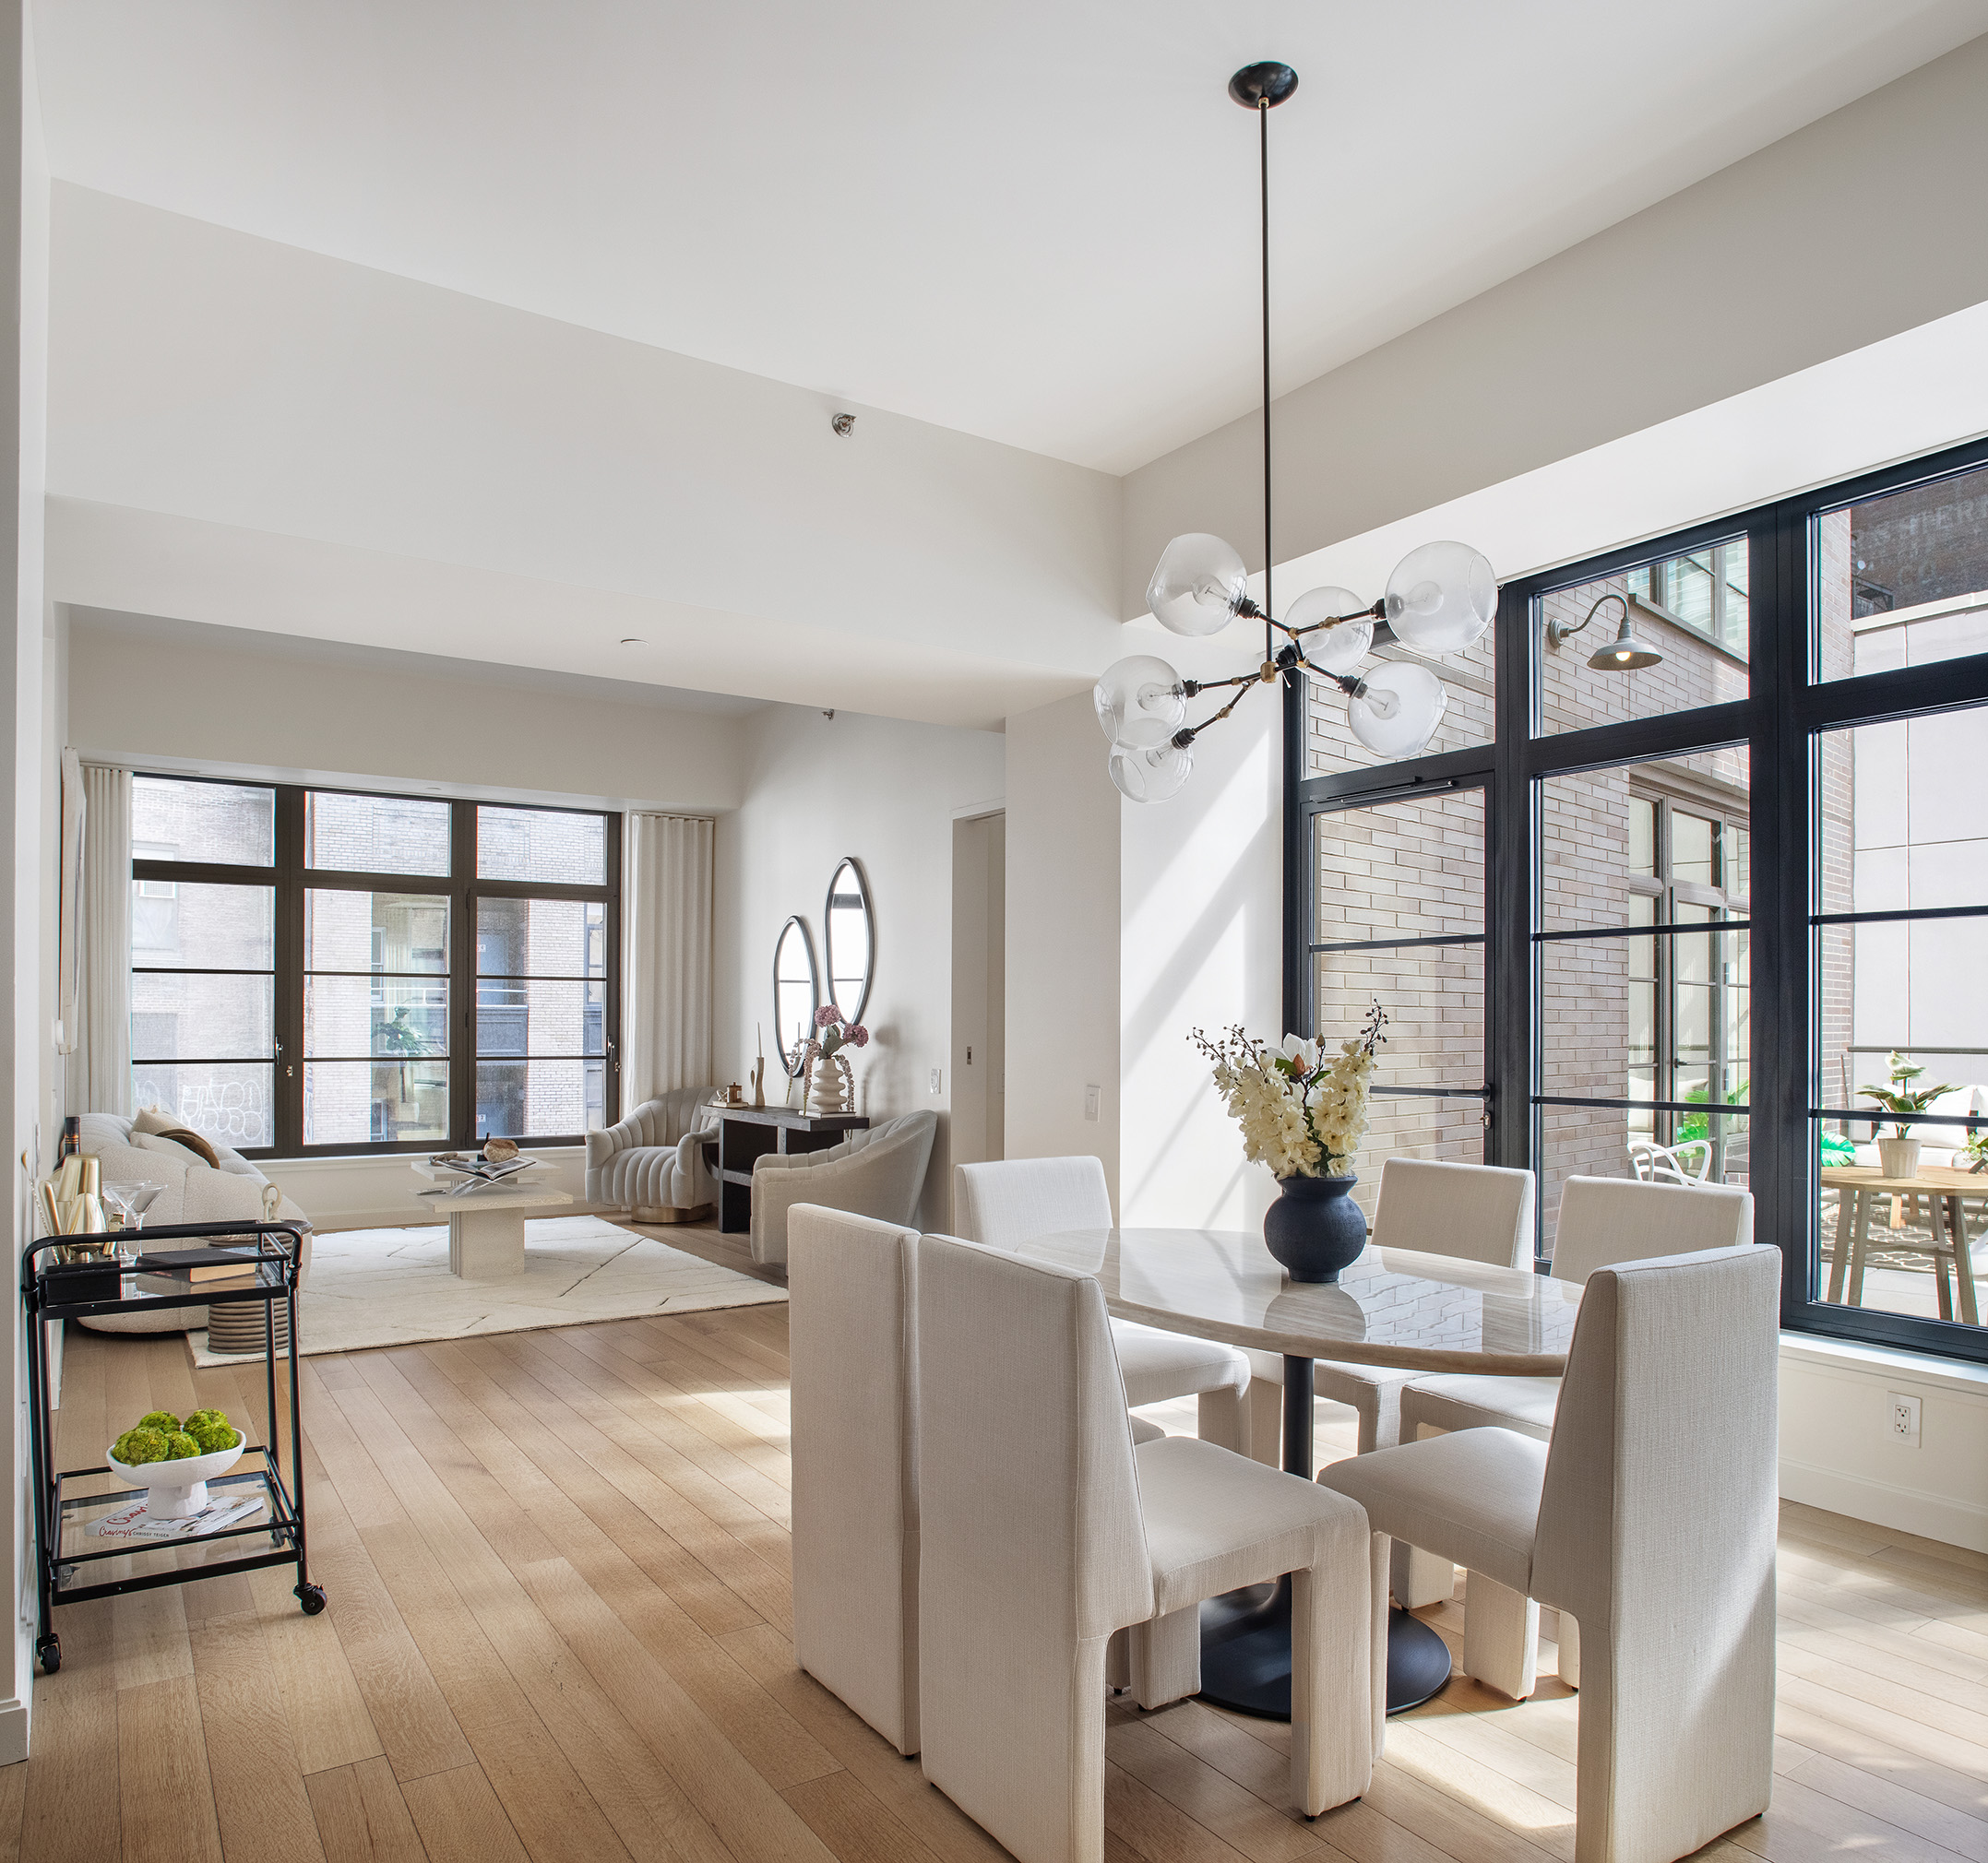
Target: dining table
<point x="1391" y="1307"/>
<point x="1862" y="1189"/>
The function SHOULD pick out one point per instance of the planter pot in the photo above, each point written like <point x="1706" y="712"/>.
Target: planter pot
<point x="1898" y="1157"/>
<point x="175" y="1489"/>
<point x="1315" y="1229"/>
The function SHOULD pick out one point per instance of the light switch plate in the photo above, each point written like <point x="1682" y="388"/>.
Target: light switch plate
<point x="934" y="1080"/>
<point x="1093" y="1099"/>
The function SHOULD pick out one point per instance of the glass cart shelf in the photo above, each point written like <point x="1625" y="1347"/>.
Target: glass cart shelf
<point x="84" y="1562"/>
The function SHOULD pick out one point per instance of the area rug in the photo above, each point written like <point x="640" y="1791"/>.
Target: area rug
<point x="393" y="1288"/>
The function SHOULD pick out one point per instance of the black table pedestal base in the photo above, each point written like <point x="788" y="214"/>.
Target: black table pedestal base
<point x="1246" y="1654"/>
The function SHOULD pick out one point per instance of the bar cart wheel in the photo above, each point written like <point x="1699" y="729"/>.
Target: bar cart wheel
<point x="312" y="1596"/>
<point x="48" y="1650"/>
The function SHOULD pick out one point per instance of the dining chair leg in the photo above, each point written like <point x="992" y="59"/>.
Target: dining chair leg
<point x="1166" y="1657"/>
<point x="1118" y="1662"/>
<point x="1223" y="1419"/>
<point x="1267" y="1422"/>
<point x="1331" y="1727"/>
<point x="1570" y="1651"/>
<point x="1421" y="1578"/>
<point x="1501" y="1637"/>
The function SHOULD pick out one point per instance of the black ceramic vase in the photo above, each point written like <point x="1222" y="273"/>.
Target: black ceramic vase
<point x="1315" y="1229"/>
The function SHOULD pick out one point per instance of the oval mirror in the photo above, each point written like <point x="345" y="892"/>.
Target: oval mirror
<point x="850" y="941"/>
<point x="796" y="993"/>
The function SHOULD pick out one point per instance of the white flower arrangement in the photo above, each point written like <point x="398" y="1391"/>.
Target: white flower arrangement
<point x="1302" y="1114"/>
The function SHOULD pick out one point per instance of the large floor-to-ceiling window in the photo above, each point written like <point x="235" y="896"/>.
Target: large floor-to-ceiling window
<point x="322" y="970"/>
<point x="1673" y="922"/>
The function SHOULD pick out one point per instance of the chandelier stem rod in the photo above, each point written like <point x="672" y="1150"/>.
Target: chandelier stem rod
<point x="1263" y="147"/>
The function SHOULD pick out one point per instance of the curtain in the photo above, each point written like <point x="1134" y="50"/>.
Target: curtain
<point x="666" y="969"/>
<point x="99" y="1067"/>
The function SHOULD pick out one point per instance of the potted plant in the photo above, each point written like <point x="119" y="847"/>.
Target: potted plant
<point x="1303" y="1115"/>
<point x="1900" y="1152"/>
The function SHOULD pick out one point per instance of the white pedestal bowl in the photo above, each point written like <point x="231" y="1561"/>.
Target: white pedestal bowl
<point x="177" y="1489"/>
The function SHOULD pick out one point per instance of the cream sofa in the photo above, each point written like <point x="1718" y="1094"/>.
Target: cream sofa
<point x="195" y="1192"/>
<point x="652" y="1162"/>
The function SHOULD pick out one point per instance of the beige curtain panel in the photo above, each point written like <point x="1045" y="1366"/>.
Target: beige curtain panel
<point x="100" y="1064"/>
<point x="666" y="968"/>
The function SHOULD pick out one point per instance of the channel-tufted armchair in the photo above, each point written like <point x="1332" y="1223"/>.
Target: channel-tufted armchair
<point x="652" y="1163"/>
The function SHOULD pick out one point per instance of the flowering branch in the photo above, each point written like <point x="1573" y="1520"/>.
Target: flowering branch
<point x="1302" y="1114"/>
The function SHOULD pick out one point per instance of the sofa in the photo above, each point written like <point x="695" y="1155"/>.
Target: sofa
<point x="230" y="1189"/>
<point x="651" y="1164"/>
<point x="879" y="1172"/>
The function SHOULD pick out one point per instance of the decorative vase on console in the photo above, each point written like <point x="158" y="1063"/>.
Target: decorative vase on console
<point x="832" y="1087"/>
<point x="1304" y="1116"/>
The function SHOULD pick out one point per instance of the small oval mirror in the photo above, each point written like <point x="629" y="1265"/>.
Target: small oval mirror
<point x="851" y="942"/>
<point x="796" y="993"/>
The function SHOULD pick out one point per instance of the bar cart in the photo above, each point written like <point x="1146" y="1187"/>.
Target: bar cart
<point x="69" y="1503"/>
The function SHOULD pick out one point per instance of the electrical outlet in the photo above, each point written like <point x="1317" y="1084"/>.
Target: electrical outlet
<point x="934" y="1080"/>
<point x="1904" y="1418"/>
<point x="1093" y="1098"/>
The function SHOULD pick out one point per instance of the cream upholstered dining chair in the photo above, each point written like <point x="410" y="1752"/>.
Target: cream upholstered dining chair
<point x="852" y="1357"/>
<point x="1602" y="1221"/>
<point x="1650" y="1518"/>
<point x="1012" y="1201"/>
<point x="1043" y="1531"/>
<point x="1474" y="1213"/>
<point x="878" y="1172"/>
<point x="852" y="1354"/>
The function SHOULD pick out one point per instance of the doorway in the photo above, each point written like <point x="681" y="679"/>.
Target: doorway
<point x="979" y="988"/>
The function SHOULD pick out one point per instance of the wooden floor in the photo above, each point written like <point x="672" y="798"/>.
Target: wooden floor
<point x="558" y="1630"/>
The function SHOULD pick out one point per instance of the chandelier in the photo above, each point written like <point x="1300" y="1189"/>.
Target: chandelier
<point x="1440" y="599"/>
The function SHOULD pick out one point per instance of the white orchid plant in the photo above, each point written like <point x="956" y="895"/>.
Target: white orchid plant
<point x="1301" y="1113"/>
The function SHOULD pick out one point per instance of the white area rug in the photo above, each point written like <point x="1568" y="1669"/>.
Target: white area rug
<point x="393" y="1287"/>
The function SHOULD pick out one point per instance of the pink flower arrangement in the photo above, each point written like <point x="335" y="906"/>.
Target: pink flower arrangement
<point x="836" y="1033"/>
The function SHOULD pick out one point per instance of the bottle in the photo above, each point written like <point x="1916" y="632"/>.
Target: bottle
<point x="72" y="1138"/>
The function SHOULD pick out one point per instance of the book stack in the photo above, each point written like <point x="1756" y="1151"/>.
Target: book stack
<point x="183" y="1271"/>
<point x="476" y="1173"/>
<point x="232" y="1508"/>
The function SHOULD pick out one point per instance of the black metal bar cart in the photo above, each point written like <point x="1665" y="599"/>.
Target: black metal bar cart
<point x="69" y="1501"/>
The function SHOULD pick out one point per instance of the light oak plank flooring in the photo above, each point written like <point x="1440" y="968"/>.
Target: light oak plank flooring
<point x="559" y="1629"/>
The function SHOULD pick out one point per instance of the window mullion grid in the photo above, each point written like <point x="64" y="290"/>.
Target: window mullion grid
<point x="462" y="975"/>
<point x="289" y="1069"/>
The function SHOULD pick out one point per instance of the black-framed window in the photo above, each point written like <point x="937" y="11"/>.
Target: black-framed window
<point x="1722" y="891"/>
<point x="321" y="971"/>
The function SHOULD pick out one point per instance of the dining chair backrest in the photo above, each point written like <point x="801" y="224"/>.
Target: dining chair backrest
<point x="1606" y="1220"/>
<point x="853" y="1358"/>
<point x="1033" y="1541"/>
<point x="1656" y="1532"/>
<point x="1476" y="1212"/>
<point x="1012" y="1201"/>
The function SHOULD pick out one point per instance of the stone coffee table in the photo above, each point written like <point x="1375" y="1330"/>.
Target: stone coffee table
<point x="486" y="1227"/>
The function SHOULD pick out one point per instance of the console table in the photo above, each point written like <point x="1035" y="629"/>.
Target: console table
<point x="745" y="1132"/>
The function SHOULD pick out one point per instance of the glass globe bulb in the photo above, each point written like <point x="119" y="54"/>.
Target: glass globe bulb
<point x="1140" y="701"/>
<point x="1397" y="708"/>
<point x="1153" y="774"/>
<point x="1441" y="598"/>
<point x="1332" y="650"/>
<point x="1198" y="585"/>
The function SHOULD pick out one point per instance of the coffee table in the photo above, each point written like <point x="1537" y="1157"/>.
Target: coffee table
<point x="486" y="1227"/>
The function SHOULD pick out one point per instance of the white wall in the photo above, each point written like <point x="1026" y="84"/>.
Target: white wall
<point x="980" y="988"/>
<point x="1727" y="285"/>
<point x="28" y="865"/>
<point x="1201" y="892"/>
<point x="1063" y="937"/>
<point x="253" y="435"/>
<point x="886" y="791"/>
<point x="224" y="700"/>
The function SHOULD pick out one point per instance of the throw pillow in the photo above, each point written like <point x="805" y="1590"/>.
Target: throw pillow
<point x="188" y="1147"/>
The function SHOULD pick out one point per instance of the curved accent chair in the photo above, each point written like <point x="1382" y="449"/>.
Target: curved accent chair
<point x="1649" y="1517"/>
<point x="1044" y="1532"/>
<point x="651" y="1164"/>
<point x="1011" y="1201"/>
<point x="879" y="1172"/>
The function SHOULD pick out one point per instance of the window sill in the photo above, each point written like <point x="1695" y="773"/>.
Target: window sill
<point x="1919" y="1368"/>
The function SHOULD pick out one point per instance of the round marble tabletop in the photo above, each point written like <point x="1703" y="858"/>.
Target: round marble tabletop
<point x="1392" y="1307"/>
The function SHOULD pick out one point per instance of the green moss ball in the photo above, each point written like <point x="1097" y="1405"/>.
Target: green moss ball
<point x="158" y="1420"/>
<point x="193" y="1422"/>
<point x="212" y="1437"/>
<point x="179" y="1446"/>
<point x="140" y="1445"/>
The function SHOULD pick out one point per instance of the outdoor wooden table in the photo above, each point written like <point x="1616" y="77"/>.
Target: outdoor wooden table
<point x="1859" y="1187"/>
<point x="1391" y="1307"/>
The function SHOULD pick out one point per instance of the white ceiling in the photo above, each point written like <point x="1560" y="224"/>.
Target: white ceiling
<point x="1034" y="221"/>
